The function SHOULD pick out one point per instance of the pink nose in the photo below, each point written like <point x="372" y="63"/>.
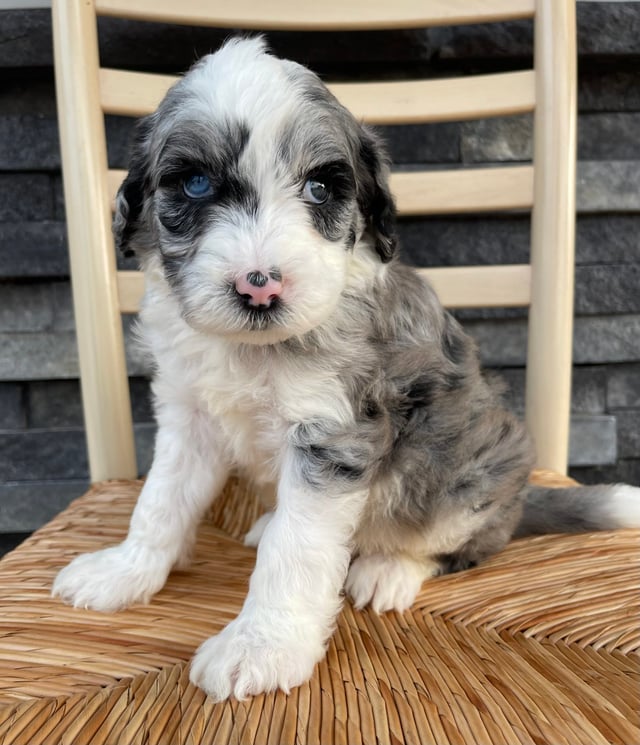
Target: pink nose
<point x="259" y="290"/>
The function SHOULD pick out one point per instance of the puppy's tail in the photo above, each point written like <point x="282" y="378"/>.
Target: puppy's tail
<point x="579" y="509"/>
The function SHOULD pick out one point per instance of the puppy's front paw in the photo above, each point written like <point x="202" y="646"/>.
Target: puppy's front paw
<point x="113" y="578"/>
<point x="387" y="582"/>
<point x="245" y="661"/>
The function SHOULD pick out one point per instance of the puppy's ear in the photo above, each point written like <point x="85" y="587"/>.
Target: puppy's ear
<point x="374" y="197"/>
<point x="131" y="194"/>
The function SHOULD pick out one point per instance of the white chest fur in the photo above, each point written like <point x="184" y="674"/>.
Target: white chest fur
<point x="254" y="394"/>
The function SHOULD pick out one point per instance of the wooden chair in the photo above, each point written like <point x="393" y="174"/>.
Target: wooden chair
<point x="535" y="645"/>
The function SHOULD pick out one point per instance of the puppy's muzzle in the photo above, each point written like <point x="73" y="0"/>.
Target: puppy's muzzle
<point x="258" y="290"/>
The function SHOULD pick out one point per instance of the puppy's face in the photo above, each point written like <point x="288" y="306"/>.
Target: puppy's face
<point x="251" y="187"/>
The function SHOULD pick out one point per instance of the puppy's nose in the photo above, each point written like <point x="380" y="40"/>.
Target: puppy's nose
<point x="259" y="290"/>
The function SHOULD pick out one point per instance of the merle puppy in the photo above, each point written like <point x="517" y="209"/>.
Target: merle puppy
<point x="291" y="345"/>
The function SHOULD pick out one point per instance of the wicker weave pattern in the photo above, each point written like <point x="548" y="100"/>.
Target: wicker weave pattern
<point x="537" y="645"/>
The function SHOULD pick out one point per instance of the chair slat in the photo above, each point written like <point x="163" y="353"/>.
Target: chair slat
<point x="407" y="102"/>
<point x="130" y="290"/>
<point x="115" y="176"/>
<point x="334" y="14"/>
<point x="127" y="93"/>
<point x="502" y="286"/>
<point x="452" y="99"/>
<point x="465" y="190"/>
<point x="444" y="192"/>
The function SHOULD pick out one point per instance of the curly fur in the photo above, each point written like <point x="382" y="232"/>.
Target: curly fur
<point x="354" y="397"/>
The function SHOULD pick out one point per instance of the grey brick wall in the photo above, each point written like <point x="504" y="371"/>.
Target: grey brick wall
<point x="42" y="452"/>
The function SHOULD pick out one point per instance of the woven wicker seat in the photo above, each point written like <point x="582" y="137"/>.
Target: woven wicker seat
<point x="537" y="645"/>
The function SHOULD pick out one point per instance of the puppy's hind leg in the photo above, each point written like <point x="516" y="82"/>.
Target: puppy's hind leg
<point x="252" y="538"/>
<point x="488" y="539"/>
<point x="188" y="471"/>
<point x="388" y="581"/>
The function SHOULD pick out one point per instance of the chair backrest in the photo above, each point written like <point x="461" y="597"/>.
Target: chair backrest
<point x="86" y="92"/>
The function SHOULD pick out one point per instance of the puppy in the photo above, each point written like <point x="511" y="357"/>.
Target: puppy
<point x="291" y="345"/>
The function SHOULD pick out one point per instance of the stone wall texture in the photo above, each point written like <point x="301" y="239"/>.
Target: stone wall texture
<point x="42" y="452"/>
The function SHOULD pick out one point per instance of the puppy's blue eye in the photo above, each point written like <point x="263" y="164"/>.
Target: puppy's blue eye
<point x="315" y="192"/>
<point x="197" y="186"/>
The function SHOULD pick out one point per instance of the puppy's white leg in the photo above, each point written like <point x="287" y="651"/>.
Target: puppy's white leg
<point x="388" y="582"/>
<point x="253" y="537"/>
<point x="188" y="471"/>
<point x="294" y="595"/>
